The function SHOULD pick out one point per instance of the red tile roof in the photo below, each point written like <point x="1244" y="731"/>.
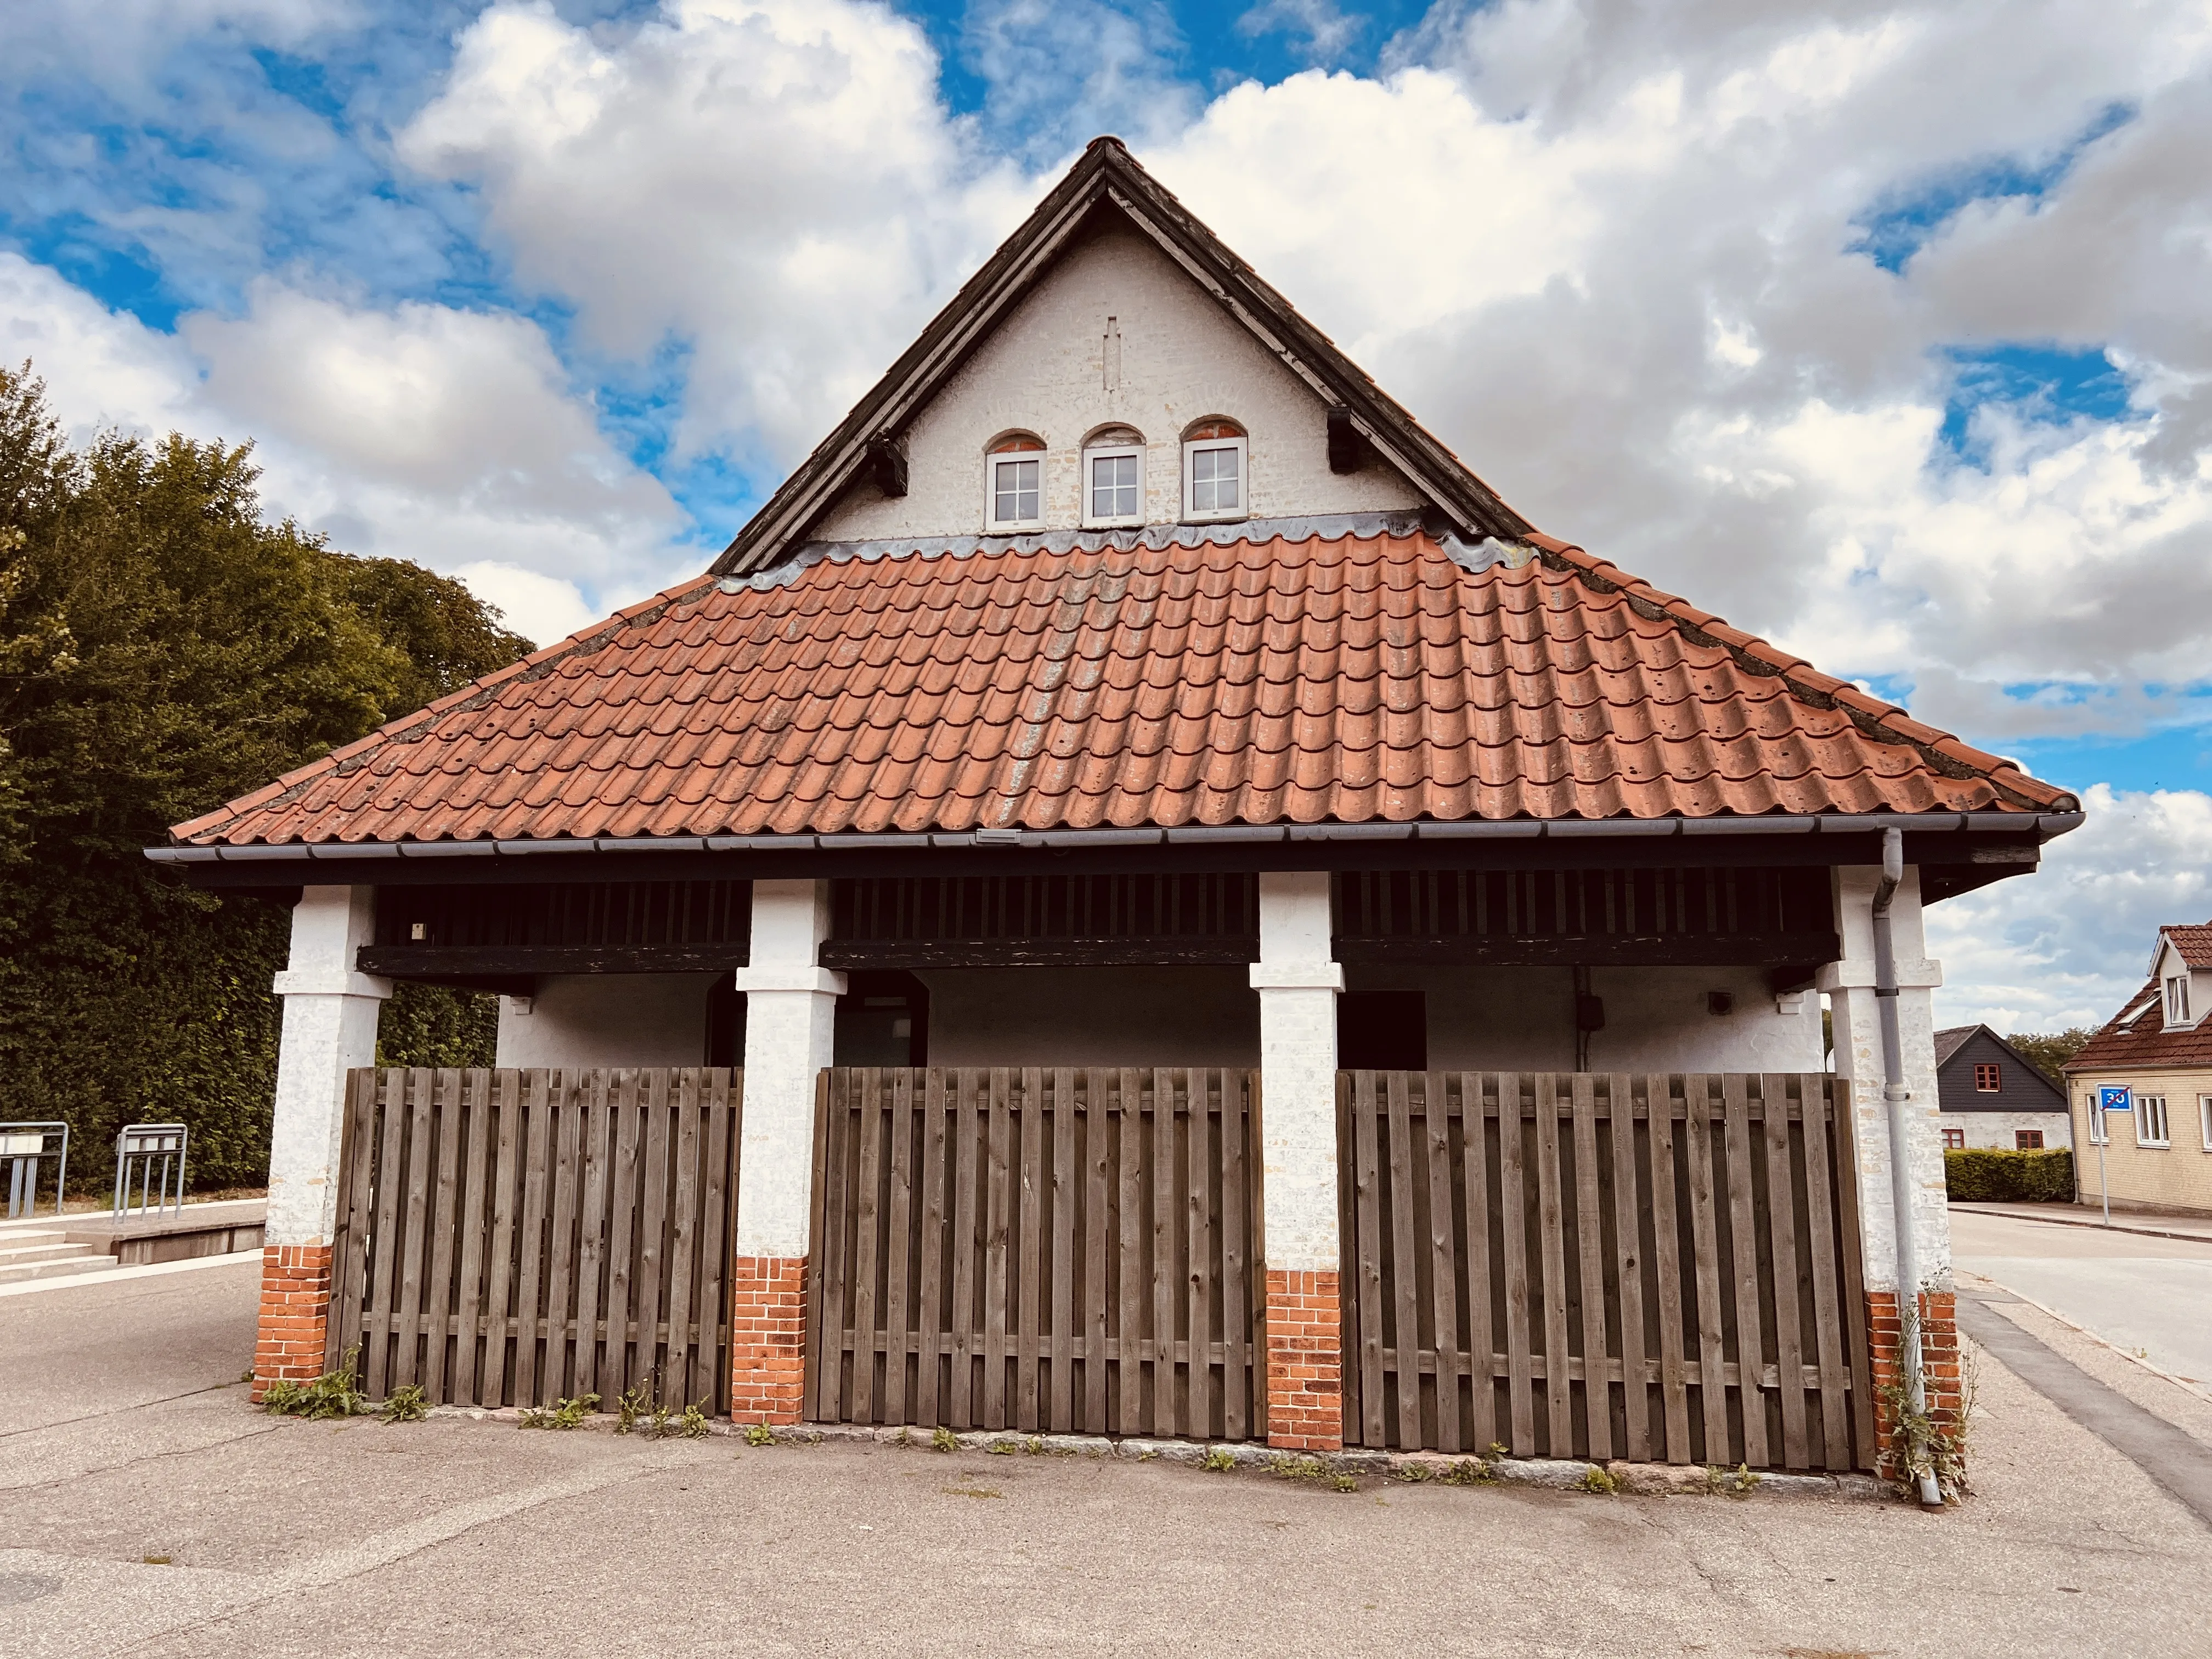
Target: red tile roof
<point x="2143" y="1043"/>
<point x="1350" y="679"/>
<point x="2195" y="943"/>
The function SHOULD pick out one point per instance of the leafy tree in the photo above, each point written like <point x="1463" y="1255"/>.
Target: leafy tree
<point x="2049" y="1051"/>
<point x="163" y="649"/>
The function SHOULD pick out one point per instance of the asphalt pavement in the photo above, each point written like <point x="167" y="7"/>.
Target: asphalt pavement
<point x="146" y="1509"/>
<point x="2149" y="1295"/>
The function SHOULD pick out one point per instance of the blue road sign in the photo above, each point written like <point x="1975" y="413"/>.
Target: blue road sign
<point x="2115" y="1100"/>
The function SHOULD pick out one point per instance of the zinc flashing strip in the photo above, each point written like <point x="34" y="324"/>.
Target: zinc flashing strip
<point x="2013" y="823"/>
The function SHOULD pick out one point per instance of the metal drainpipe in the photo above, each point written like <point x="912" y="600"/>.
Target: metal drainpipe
<point x="1894" y="1096"/>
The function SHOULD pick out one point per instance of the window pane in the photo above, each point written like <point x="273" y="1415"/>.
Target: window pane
<point x="1114" y="493"/>
<point x="1213" y="482"/>
<point x="1014" y="492"/>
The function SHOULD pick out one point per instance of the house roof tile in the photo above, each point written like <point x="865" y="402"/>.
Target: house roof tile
<point x="1357" y="678"/>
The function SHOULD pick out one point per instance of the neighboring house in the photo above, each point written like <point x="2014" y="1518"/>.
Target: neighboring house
<point x="1131" y="714"/>
<point x="2159" y="1047"/>
<point x="1991" y="1096"/>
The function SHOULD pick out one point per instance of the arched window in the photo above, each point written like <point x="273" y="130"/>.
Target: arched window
<point x="1014" y="482"/>
<point x="1215" y="481"/>
<point x="1113" y="478"/>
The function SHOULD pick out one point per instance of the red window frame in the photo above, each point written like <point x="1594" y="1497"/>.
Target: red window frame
<point x="2027" y="1140"/>
<point x="1955" y="1141"/>
<point x="1988" y="1079"/>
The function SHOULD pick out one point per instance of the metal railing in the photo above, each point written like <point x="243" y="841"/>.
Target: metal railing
<point x="21" y="1147"/>
<point x="139" y="1148"/>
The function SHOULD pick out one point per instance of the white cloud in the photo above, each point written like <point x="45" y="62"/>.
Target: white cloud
<point x="2065" y="946"/>
<point x="537" y="606"/>
<point x="412" y="431"/>
<point x="1609" y="253"/>
<point x="773" y="186"/>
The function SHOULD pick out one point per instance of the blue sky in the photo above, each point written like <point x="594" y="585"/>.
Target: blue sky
<point x="1883" y="337"/>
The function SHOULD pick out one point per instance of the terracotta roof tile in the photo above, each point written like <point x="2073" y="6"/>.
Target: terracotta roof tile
<point x="1345" y="679"/>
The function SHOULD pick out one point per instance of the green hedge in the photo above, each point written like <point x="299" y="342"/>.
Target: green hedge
<point x="1990" y="1174"/>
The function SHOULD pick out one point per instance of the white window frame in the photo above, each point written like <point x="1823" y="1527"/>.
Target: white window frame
<point x="993" y="523"/>
<point x="2177" y="1000"/>
<point x="1191" y="447"/>
<point x="2152" y="1128"/>
<point x="2204" y="1119"/>
<point x="2101" y="1133"/>
<point x="1112" y="452"/>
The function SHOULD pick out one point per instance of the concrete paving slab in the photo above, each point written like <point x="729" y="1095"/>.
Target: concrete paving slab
<point x="461" y="1537"/>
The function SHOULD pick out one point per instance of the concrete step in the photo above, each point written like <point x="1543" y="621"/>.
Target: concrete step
<point x="54" y="1262"/>
<point x="18" y="1256"/>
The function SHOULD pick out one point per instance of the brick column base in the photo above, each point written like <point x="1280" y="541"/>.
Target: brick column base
<point x="767" y="1339"/>
<point x="1939" y="1367"/>
<point x="1305" y="1362"/>
<point x="295" y="1313"/>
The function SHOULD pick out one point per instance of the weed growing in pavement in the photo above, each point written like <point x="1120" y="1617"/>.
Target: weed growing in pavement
<point x="1919" y="1440"/>
<point x="691" y="1425"/>
<point x="1284" y="1467"/>
<point x="1034" y="1445"/>
<point x="1468" y="1472"/>
<point x="944" y="1440"/>
<point x="1415" y="1474"/>
<point x="1725" y="1482"/>
<point x="407" y="1404"/>
<point x="334" y="1394"/>
<point x="1345" y="1483"/>
<point x="759" y="1434"/>
<point x="568" y="1414"/>
<point x="629" y="1405"/>
<point x="1218" y="1460"/>
<point x="1599" y="1479"/>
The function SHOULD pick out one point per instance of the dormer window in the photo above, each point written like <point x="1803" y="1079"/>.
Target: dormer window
<point x="2177" y="1000"/>
<point x="1114" y="479"/>
<point x="1013" y="485"/>
<point x="1215" y="481"/>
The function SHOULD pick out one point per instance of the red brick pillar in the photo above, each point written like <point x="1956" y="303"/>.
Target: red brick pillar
<point x="295" y="1311"/>
<point x="1305" y="1361"/>
<point x="1939" y="1367"/>
<point x="767" y="1339"/>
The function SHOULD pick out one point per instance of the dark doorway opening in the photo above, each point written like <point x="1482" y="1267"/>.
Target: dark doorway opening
<point x="725" y="1024"/>
<point x="1382" y="1031"/>
<point x="882" y="1019"/>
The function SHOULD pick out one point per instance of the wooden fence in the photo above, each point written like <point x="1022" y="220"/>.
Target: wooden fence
<point x="516" y="1237"/>
<point x="1637" y="1248"/>
<point x="1050" y="1250"/>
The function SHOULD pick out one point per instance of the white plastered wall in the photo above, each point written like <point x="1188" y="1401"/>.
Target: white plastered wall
<point x="1183" y="358"/>
<point x="608" y="1020"/>
<point x="1657" y="1020"/>
<point x="1997" y="1129"/>
<point x="1850" y="987"/>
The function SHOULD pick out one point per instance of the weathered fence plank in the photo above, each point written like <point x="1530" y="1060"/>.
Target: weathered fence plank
<point x="1672" y="1268"/>
<point x="1082" y="1276"/>
<point x="506" y="1242"/>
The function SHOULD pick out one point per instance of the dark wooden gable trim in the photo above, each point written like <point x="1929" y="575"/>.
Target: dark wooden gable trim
<point x="1106" y="178"/>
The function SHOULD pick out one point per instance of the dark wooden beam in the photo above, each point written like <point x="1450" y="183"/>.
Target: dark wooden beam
<point x="1156" y="952"/>
<point x="455" y="963"/>
<point x="1346" y="453"/>
<point x="1595" y="950"/>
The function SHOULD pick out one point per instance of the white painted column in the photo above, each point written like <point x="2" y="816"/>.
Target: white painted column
<point x="1858" y="1030"/>
<point x="330" y="1027"/>
<point x="791" y="1008"/>
<point x="1298" y="981"/>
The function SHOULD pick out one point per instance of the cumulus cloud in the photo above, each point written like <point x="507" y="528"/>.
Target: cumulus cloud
<point x="414" y="431"/>
<point x="773" y="186"/>
<point x="2065" y="946"/>
<point x="1617" y="256"/>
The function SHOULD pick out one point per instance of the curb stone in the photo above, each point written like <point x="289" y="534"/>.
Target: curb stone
<point x="1544" y="1473"/>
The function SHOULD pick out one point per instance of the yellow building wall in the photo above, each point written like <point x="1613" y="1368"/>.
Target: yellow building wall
<point x="2174" y="1178"/>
